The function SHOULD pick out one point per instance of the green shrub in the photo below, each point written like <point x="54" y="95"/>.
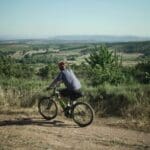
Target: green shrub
<point x="104" y="66"/>
<point x="10" y="68"/>
<point x="49" y="71"/>
<point x="123" y="100"/>
<point x="142" y="72"/>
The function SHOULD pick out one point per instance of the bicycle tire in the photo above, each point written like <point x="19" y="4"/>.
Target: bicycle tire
<point x="80" y="112"/>
<point x="45" y="106"/>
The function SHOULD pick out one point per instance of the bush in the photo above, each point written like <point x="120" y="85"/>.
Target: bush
<point x="10" y="68"/>
<point x="49" y="71"/>
<point x="104" y="66"/>
<point x="142" y="72"/>
<point x="126" y="100"/>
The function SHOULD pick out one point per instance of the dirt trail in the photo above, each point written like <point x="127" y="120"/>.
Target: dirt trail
<point x="22" y="131"/>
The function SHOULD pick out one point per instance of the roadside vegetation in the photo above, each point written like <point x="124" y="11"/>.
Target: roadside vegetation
<point x="112" y="88"/>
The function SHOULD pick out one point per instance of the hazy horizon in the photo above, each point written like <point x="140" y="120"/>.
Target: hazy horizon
<point x="17" y="37"/>
<point x="49" y="18"/>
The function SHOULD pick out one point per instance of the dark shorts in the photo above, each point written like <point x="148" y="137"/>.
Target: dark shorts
<point x="72" y="94"/>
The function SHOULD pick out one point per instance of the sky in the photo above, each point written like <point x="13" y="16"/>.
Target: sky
<point x="46" y="18"/>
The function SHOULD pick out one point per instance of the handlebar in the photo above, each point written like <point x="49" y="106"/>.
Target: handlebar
<point x="54" y="90"/>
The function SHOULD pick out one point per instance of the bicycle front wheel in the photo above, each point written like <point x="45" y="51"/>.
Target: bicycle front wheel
<point x="47" y="108"/>
<point x="82" y="114"/>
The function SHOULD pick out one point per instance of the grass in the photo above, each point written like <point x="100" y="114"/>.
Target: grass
<point x="130" y="102"/>
<point x="124" y="100"/>
<point x="21" y="92"/>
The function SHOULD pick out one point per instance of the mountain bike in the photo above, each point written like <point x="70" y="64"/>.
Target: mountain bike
<point x="81" y="112"/>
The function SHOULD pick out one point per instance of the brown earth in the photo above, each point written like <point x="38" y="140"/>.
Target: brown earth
<point x="27" y="130"/>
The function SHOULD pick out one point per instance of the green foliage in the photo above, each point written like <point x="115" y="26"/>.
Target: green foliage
<point x="142" y="72"/>
<point x="102" y="57"/>
<point x="9" y="68"/>
<point x="48" y="71"/>
<point x="43" y="72"/>
<point x="123" y="100"/>
<point x="39" y="58"/>
<point x="132" y="47"/>
<point x="20" y="84"/>
<point x="104" y="66"/>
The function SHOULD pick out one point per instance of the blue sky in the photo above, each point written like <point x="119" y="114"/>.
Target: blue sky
<point x="45" y="18"/>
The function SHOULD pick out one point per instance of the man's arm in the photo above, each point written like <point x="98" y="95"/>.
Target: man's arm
<point x="56" y="81"/>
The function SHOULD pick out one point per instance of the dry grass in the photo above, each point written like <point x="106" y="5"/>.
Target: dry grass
<point x="20" y="98"/>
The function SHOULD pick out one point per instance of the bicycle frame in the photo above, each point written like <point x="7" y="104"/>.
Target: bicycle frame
<point x="56" y="93"/>
<point x="81" y="112"/>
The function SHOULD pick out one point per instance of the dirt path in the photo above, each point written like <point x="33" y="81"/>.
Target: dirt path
<point x="22" y="131"/>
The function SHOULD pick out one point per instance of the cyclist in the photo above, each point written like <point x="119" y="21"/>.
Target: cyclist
<point x="70" y="80"/>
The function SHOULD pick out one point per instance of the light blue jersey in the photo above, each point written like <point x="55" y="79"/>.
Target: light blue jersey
<point x="69" y="79"/>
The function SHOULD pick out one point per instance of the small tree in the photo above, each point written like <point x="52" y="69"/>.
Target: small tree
<point x="104" y="66"/>
<point x="101" y="56"/>
<point x="142" y="71"/>
<point x="49" y="71"/>
<point x="44" y="72"/>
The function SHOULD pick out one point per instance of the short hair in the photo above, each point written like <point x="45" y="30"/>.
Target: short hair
<point x="61" y="64"/>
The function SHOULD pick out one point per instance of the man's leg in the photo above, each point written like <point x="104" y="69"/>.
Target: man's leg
<point x="75" y="94"/>
<point x="64" y="92"/>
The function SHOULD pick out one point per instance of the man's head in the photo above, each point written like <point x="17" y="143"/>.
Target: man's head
<point x="61" y="65"/>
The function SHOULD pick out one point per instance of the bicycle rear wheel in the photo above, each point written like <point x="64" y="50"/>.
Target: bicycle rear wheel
<point x="47" y="108"/>
<point x="82" y="114"/>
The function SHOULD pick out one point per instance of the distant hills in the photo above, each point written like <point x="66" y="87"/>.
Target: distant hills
<point x="75" y="39"/>
<point x="99" y="38"/>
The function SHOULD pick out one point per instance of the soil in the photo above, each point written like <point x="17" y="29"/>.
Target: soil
<point x="26" y="130"/>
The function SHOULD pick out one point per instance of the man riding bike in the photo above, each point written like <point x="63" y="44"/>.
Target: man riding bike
<point x="70" y="80"/>
<point x="81" y="112"/>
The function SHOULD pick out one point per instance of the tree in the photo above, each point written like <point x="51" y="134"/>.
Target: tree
<point x="10" y="68"/>
<point x="101" y="56"/>
<point x="44" y="72"/>
<point x="104" y="66"/>
<point x="48" y="71"/>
